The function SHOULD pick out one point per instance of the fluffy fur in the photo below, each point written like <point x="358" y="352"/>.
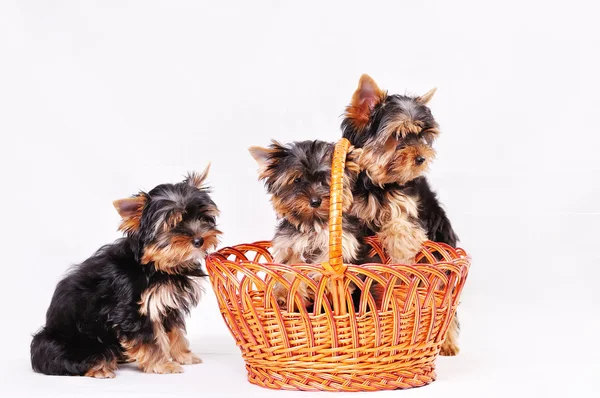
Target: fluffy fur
<point x="392" y="196"/>
<point x="298" y="176"/>
<point x="128" y="300"/>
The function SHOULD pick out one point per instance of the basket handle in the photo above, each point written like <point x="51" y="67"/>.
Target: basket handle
<point x="336" y="267"/>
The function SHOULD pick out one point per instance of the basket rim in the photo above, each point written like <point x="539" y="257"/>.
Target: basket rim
<point x="461" y="256"/>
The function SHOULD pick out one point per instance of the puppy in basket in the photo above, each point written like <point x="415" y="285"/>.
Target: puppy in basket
<point x="391" y="195"/>
<point x="297" y="175"/>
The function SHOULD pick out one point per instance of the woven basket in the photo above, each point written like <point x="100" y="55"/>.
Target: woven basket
<point x="344" y="343"/>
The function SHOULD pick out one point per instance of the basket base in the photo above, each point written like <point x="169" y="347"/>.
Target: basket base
<point x="336" y="382"/>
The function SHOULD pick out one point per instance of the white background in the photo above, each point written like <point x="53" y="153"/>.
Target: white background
<point x="101" y="99"/>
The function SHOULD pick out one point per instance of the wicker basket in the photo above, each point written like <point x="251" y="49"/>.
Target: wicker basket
<point x="342" y="344"/>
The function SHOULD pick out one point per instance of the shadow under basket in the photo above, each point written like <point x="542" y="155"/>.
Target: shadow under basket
<point x="371" y="327"/>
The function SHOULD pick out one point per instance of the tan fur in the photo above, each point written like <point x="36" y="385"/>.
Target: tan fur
<point x="130" y="210"/>
<point x="399" y="231"/>
<point x="288" y="207"/>
<point x="152" y="357"/>
<point x="180" y="349"/>
<point x="364" y="99"/>
<point x="391" y="165"/>
<point x="178" y="252"/>
<point x="425" y="98"/>
<point x="159" y="299"/>
<point x="402" y="240"/>
<point x="450" y="345"/>
<point x="197" y="179"/>
<point x="172" y="221"/>
<point x="103" y="370"/>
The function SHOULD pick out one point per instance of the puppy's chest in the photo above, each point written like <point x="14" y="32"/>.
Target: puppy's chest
<point x="382" y="207"/>
<point x="312" y="247"/>
<point x="167" y="294"/>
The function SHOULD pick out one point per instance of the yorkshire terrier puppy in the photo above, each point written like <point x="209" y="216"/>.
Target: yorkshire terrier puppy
<point x="391" y="195"/>
<point x="298" y="176"/>
<point x="127" y="302"/>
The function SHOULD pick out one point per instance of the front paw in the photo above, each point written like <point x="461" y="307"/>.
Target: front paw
<point x="102" y="373"/>
<point x="187" y="358"/>
<point x="164" y="368"/>
<point x="449" y="349"/>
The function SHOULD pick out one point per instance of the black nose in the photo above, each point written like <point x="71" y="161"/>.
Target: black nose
<point x="315" y="202"/>
<point x="197" y="242"/>
<point x="419" y="160"/>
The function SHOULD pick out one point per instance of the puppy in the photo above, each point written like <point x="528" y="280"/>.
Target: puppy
<point x="297" y="176"/>
<point x="391" y="195"/>
<point x="128" y="300"/>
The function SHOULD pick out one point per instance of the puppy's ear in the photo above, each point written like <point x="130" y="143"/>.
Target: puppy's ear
<point x="425" y="98"/>
<point x="130" y="210"/>
<point x="261" y="155"/>
<point x="265" y="157"/>
<point x="197" y="179"/>
<point x="364" y="99"/>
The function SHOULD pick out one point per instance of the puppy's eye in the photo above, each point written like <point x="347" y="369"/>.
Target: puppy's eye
<point x="297" y="180"/>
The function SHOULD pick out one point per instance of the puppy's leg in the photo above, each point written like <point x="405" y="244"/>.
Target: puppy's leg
<point x="402" y="239"/>
<point x="103" y="369"/>
<point x="450" y="345"/>
<point x="152" y="354"/>
<point x="180" y="349"/>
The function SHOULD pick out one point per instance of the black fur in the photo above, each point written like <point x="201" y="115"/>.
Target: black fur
<point x="432" y="216"/>
<point x="96" y="305"/>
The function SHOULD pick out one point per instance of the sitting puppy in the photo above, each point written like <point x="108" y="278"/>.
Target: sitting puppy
<point x="128" y="301"/>
<point x="391" y="195"/>
<point x="297" y="176"/>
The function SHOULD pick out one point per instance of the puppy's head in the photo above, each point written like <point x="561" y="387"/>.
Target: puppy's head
<point x="298" y="177"/>
<point x="395" y="132"/>
<point x="174" y="225"/>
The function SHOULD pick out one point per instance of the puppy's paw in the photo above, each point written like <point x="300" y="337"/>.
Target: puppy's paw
<point x="449" y="349"/>
<point x="165" y="368"/>
<point x="196" y="359"/>
<point x="187" y="358"/>
<point x="102" y="373"/>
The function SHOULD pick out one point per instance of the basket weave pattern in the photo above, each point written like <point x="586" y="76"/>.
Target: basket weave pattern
<point x="362" y="342"/>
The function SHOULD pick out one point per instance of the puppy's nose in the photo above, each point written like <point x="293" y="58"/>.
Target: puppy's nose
<point x="197" y="242"/>
<point x="419" y="160"/>
<point x="315" y="202"/>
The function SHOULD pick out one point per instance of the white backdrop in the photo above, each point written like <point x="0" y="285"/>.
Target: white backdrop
<point x="101" y="99"/>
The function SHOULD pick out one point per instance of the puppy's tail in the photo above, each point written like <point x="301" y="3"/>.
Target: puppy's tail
<point x="49" y="356"/>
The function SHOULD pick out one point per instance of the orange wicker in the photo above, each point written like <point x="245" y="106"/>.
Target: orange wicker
<point x="378" y="343"/>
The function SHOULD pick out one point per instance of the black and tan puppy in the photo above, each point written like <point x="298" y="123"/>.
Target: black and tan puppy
<point x="391" y="195"/>
<point x="128" y="301"/>
<point x="297" y="176"/>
